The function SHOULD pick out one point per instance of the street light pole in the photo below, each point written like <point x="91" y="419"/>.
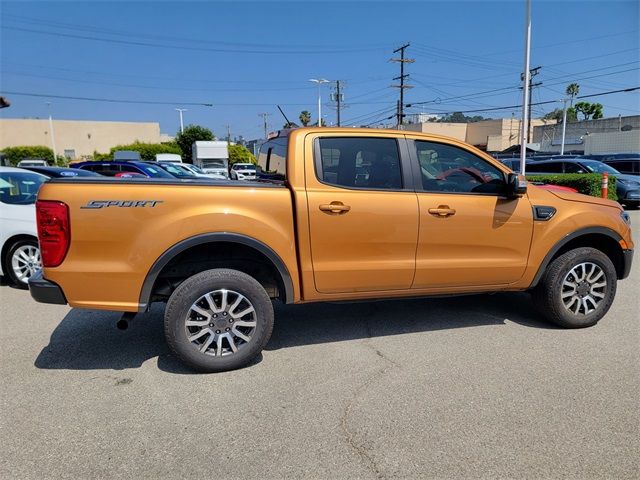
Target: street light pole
<point x="180" y="110"/>
<point x="319" y="81"/>
<point x="524" y="134"/>
<point x="53" y="135"/>
<point x="564" y="125"/>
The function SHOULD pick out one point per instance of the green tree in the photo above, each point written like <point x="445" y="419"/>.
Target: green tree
<point x="239" y="154"/>
<point x="459" y="117"/>
<point x="147" y="150"/>
<point x="572" y="90"/>
<point x="192" y="133"/>
<point x="557" y="115"/>
<point x="305" y="117"/>
<point x="15" y="154"/>
<point x="590" y="110"/>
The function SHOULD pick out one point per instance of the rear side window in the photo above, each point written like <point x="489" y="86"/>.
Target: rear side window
<point x="359" y="162"/>
<point x="272" y="159"/>
<point x="102" y="168"/>
<point x="19" y="188"/>
<point x="551" y="167"/>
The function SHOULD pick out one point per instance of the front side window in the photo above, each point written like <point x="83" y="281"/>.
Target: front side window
<point x="445" y="168"/>
<point x="360" y="162"/>
<point x="19" y="188"/>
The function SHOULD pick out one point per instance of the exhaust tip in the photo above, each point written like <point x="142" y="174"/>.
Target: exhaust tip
<point x="122" y="324"/>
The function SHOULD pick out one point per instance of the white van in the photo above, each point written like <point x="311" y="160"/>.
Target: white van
<point x="33" y="162"/>
<point x="168" y="157"/>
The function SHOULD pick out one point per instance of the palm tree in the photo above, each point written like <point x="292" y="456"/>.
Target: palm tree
<point x="305" y="117"/>
<point x="573" y="89"/>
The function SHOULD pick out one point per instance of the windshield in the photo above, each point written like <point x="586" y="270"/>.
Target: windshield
<point x="244" y="166"/>
<point x="155" y="172"/>
<point x="194" y="168"/>
<point x="20" y="188"/>
<point x="177" y="171"/>
<point x="598" y="167"/>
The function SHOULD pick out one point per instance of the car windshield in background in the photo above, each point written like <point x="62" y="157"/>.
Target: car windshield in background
<point x="20" y="188"/>
<point x="155" y="172"/>
<point x="176" y="171"/>
<point x="598" y="167"/>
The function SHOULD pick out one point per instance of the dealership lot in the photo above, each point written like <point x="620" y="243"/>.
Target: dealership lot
<point x="456" y="387"/>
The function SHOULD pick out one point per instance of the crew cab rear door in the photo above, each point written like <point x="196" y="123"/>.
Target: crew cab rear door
<point x="363" y="213"/>
<point x="471" y="233"/>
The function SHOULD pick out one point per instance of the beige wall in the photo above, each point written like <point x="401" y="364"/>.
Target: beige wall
<point x="455" y="130"/>
<point x="84" y="137"/>
<point x="492" y="135"/>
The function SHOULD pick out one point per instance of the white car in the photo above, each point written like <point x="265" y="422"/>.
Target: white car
<point x="243" y="171"/>
<point x="20" y="254"/>
<point x="199" y="171"/>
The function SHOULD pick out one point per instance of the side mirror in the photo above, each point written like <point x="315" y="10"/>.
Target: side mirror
<point x="516" y="185"/>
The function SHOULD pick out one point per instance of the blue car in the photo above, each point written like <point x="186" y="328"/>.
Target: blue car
<point x="112" y="169"/>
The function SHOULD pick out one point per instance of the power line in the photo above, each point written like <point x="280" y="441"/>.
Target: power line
<point x="184" y="47"/>
<point x="624" y="90"/>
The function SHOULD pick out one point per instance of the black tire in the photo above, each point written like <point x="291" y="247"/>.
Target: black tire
<point x="547" y="296"/>
<point x="7" y="261"/>
<point x="194" y="288"/>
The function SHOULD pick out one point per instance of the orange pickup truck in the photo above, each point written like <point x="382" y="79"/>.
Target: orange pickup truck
<point x="336" y="214"/>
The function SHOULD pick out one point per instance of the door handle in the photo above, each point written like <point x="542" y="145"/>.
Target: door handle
<point x="335" y="207"/>
<point x="442" y="211"/>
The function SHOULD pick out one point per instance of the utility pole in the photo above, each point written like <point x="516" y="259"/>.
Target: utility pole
<point x="53" y="135"/>
<point x="180" y="110"/>
<point x="402" y="77"/>
<point x="532" y="73"/>
<point x="564" y="125"/>
<point x="228" y="134"/>
<point x="524" y="133"/>
<point x="264" y="120"/>
<point x="337" y="97"/>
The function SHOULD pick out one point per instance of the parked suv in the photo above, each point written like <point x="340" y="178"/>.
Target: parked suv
<point x="112" y="169"/>
<point x="628" y="186"/>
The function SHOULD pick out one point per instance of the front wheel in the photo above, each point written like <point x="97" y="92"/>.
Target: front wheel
<point x="218" y="320"/>
<point x="577" y="288"/>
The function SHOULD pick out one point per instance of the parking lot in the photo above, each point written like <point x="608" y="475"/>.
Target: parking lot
<point x="440" y="388"/>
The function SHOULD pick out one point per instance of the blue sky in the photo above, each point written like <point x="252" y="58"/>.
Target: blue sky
<point x="247" y="57"/>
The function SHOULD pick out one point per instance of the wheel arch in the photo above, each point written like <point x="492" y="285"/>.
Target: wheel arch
<point x="285" y="283"/>
<point x="602" y="238"/>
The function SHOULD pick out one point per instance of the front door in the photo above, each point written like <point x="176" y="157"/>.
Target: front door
<point x="363" y="218"/>
<point x="471" y="234"/>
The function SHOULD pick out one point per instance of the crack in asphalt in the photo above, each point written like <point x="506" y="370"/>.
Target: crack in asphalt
<point x="362" y="450"/>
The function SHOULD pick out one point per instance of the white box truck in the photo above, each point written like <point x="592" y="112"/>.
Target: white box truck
<point x="212" y="157"/>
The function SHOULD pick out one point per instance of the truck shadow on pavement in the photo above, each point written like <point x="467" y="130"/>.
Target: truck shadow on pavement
<point x="88" y="339"/>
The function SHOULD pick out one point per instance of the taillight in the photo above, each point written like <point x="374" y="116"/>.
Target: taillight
<point x="54" y="232"/>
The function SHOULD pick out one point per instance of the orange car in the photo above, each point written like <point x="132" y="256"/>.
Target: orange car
<point x="336" y="214"/>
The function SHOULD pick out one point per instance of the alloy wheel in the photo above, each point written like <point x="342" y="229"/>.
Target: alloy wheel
<point x="584" y="288"/>
<point x="25" y="261"/>
<point x="220" y="323"/>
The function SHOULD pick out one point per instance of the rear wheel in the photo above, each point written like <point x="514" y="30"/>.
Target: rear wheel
<point x="577" y="288"/>
<point x="22" y="261"/>
<point x="218" y="320"/>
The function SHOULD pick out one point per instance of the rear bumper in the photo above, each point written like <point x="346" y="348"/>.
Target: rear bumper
<point x="44" y="291"/>
<point x="627" y="260"/>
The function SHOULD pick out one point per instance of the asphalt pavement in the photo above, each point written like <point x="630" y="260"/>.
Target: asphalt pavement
<point x="467" y="387"/>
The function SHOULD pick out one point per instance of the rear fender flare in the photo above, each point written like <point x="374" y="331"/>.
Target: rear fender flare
<point x="172" y="252"/>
